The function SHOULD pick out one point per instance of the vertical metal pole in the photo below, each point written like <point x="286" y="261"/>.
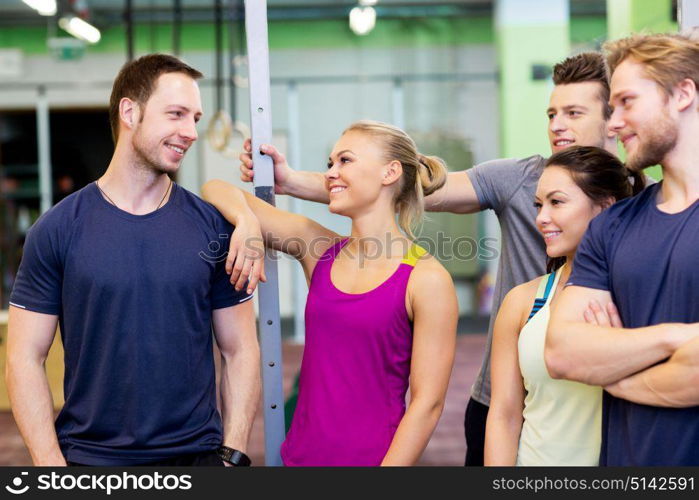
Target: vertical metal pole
<point x="128" y="20"/>
<point x="177" y="28"/>
<point x="236" y="47"/>
<point x="218" y="64"/>
<point x="687" y="14"/>
<point x="152" y="27"/>
<point x="44" y="145"/>
<point x="261" y="126"/>
<point x="398" y="104"/>
<point x="298" y="278"/>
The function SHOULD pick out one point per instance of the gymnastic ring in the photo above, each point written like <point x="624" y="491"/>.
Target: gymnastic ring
<point x="243" y="131"/>
<point x="239" y="81"/>
<point x="221" y="130"/>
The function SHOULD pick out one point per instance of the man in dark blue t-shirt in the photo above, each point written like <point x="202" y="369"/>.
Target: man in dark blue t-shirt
<point x="132" y="267"/>
<point x="641" y="254"/>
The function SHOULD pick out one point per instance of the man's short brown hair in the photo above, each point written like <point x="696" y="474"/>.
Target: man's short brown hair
<point x="136" y="80"/>
<point x="585" y="67"/>
<point x="666" y="59"/>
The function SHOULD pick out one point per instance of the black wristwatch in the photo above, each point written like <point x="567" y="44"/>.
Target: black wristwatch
<point x="233" y="457"/>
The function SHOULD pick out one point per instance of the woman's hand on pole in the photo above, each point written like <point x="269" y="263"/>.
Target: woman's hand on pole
<point x="282" y="171"/>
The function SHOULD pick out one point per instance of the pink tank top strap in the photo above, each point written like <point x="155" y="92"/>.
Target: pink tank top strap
<point x="325" y="262"/>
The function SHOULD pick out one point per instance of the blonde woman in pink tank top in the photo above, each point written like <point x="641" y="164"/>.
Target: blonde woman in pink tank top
<point x="381" y="313"/>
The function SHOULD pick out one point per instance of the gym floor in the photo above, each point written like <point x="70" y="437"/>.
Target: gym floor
<point x="447" y="446"/>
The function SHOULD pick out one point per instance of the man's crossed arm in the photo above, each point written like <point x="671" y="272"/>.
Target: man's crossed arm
<point x="655" y="365"/>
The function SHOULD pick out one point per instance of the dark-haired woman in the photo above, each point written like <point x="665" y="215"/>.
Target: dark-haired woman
<point x="535" y="420"/>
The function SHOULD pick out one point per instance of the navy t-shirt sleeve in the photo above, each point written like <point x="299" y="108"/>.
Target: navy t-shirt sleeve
<point x="591" y="265"/>
<point x="39" y="280"/>
<point x="223" y="293"/>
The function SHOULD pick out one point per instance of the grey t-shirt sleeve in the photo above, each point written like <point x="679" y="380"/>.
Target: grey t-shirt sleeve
<point x="495" y="181"/>
<point x="649" y="180"/>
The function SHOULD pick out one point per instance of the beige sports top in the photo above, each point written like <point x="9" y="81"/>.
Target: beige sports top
<point x="562" y="419"/>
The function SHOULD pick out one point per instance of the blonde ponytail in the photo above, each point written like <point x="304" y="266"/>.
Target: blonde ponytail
<point x="433" y="173"/>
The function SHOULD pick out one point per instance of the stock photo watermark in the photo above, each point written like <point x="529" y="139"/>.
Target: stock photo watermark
<point x="442" y="246"/>
<point x="99" y="482"/>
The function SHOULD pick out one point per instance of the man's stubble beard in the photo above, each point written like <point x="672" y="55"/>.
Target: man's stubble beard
<point x="660" y="140"/>
<point x="144" y="160"/>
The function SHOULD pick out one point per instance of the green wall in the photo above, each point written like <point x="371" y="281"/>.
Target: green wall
<point x="306" y="34"/>
<point x="523" y="99"/>
<point x="628" y="16"/>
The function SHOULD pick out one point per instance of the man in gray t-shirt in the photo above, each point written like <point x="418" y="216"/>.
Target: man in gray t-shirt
<point x="507" y="187"/>
<point x="578" y="112"/>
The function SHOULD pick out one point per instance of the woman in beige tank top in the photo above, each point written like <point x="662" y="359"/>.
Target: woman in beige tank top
<point x="534" y="419"/>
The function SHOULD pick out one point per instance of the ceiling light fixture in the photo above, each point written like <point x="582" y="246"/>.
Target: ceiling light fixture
<point x="80" y="29"/>
<point x="362" y="20"/>
<point x="44" y="7"/>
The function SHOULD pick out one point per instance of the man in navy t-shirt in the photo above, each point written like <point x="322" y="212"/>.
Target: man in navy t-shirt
<point x="641" y="254"/>
<point x="132" y="267"/>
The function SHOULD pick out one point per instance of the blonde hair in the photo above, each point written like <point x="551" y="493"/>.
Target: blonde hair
<point x="666" y="59"/>
<point x="422" y="175"/>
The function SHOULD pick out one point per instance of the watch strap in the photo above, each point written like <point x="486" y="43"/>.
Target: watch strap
<point x="233" y="456"/>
